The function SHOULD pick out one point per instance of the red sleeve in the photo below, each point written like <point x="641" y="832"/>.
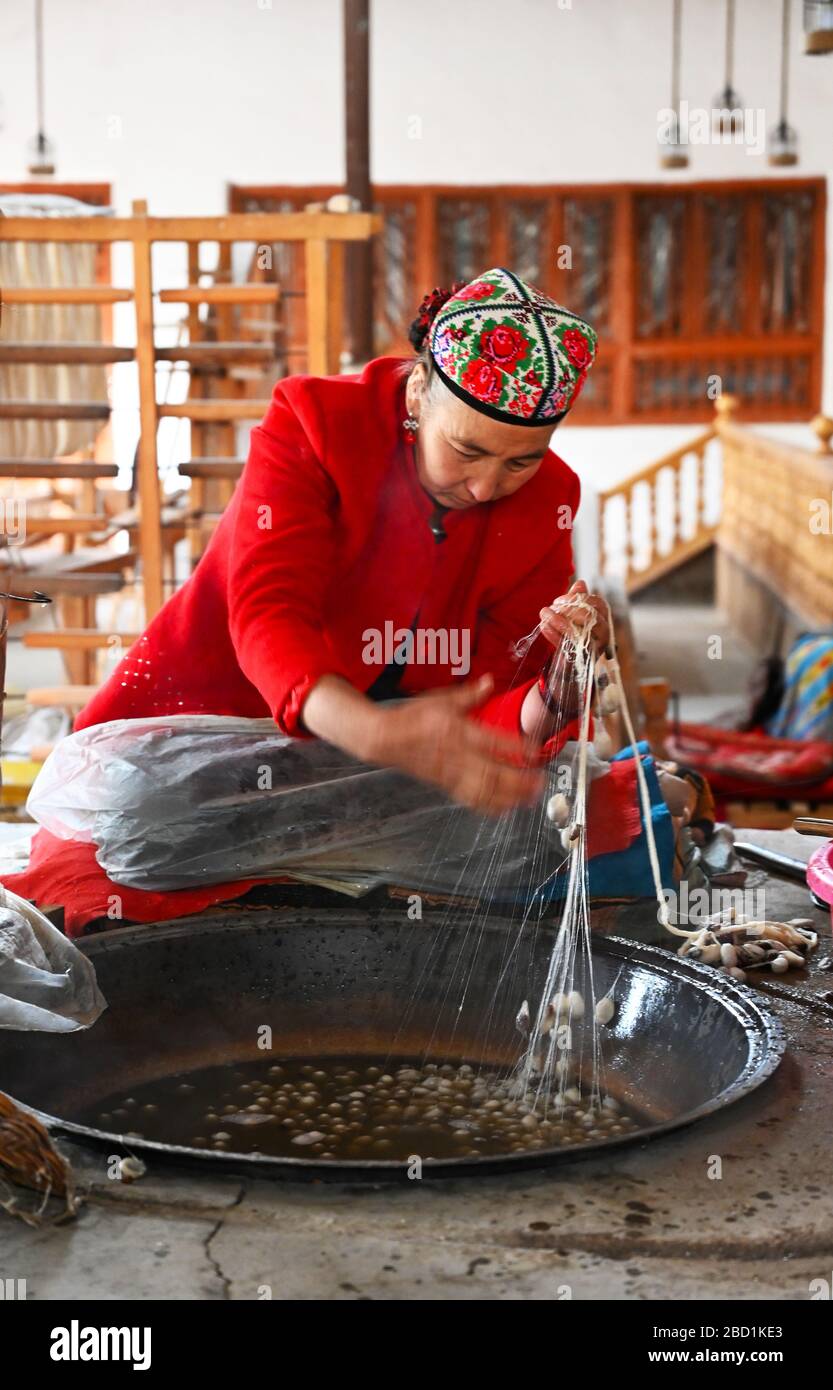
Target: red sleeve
<point x="513" y="616"/>
<point x="282" y="562"/>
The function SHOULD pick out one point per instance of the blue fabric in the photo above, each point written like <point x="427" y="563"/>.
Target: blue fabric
<point x="806" y="710"/>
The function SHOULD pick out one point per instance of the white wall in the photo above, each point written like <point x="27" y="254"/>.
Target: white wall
<point x="525" y="90"/>
<point x="172" y="99"/>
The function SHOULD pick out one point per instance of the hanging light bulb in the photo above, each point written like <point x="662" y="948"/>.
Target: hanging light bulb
<point x="727" y="106"/>
<point x="782" y="144"/>
<point x="41" y="149"/>
<point x="818" y="26"/>
<point x="674" y="153"/>
<point x="41" y="155"/>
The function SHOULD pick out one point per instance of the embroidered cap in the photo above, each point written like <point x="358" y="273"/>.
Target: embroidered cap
<point x="511" y="352"/>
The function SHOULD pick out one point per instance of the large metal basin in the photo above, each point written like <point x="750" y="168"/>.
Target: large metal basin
<point x="685" y="1041"/>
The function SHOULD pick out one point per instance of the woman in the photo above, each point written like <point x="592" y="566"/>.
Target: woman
<point x="416" y="494"/>
<point x="414" y="508"/>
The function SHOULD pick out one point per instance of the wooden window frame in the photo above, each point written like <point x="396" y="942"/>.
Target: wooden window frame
<point x="620" y="348"/>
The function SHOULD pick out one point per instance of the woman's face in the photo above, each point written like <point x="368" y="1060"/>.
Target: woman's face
<point x="463" y="457"/>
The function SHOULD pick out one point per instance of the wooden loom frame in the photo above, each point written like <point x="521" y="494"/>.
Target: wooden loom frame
<point x="323" y="236"/>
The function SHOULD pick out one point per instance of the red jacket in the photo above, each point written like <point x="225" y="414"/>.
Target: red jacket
<point x="326" y="536"/>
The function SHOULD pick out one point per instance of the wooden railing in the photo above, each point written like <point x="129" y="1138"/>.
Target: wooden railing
<point x="767" y="505"/>
<point x="661" y="516"/>
<point x="777" y="521"/>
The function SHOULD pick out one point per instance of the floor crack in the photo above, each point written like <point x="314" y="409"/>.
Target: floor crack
<point x="225" y="1279"/>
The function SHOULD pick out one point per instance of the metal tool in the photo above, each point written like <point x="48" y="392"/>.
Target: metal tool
<point x="813" y="825"/>
<point x="781" y="864"/>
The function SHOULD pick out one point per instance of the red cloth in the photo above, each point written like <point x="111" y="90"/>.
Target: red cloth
<point x="614" y="819"/>
<point x="754" y="764"/>
<point x="781" y="766"/>
<point x="64" y="873"/>
<point x="326" y="536"/>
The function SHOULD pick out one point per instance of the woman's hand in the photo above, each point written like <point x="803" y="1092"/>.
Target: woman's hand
<point x="537" y="722"/>
<point x="555" y="626"/>
<point x="433" y="738"/>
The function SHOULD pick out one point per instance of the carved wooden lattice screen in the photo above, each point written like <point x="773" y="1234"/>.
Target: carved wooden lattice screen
<point x="685" y="284"/>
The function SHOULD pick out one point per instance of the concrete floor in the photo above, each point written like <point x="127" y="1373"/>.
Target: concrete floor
<point x="677" y="641"/>
<point x="647" y="1223"/>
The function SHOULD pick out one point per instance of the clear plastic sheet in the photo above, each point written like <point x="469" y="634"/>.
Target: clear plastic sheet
<point x="34" y="728"/>
<point x="46" y="983"/>
<point x="183" y="801"/>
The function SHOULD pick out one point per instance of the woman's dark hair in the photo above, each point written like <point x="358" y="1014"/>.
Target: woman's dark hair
<point x="427" y="312"/>
<point x="766" y="691"/>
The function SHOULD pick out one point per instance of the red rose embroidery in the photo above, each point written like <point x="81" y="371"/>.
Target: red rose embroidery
<point x="521" y="405"/>
<point x="532" y="377"/>
<point x="503" y="346"/>
<point x="578" y="349"/>
<point x="577" y="389"/>
<point x="482" y="380"/>
<point x="479" y="289"/>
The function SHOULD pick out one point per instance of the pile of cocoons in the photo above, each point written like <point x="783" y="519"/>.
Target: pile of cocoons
<point x="737" y="945"/>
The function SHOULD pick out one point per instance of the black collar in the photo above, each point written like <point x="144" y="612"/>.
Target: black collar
<point x="435" y="522"/>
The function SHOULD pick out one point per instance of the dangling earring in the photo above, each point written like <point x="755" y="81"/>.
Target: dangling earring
<point x="411" y="425"/>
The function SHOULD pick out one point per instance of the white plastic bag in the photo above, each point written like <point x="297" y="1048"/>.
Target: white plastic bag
<point x="46" y="983"/>
<point x="182" y="800"/>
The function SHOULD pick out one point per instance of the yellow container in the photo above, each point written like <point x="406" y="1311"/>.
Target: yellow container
<point x="18" y="775"/>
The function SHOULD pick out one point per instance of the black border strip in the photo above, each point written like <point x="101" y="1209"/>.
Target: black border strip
<point x="535" y="418"/>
